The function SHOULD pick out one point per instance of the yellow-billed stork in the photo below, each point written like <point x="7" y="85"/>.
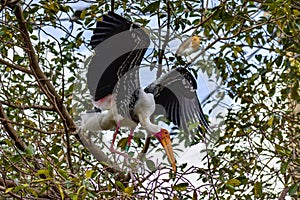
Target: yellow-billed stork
<point x="189" y="46"/>
<point x="113" y="81"/>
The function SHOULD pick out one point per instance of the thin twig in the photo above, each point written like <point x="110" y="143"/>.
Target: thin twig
<point x="112" y="8"/>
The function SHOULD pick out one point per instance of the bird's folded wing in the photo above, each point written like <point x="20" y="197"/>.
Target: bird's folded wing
<point x="119" y="47"/>
<point x="176" y="92"/>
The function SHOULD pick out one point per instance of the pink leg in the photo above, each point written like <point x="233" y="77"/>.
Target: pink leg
<point x="115" y="135"/>
<point x="129" y="139"/>
<point x="112" y="149"/>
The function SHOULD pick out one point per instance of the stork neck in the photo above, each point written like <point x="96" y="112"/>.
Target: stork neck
<point x="151" y="128"/>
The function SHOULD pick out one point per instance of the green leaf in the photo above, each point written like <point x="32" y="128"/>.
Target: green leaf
<point x="279" y="149"/>
<point x="193" y="126"/>
<point x="83" y="14"/>
<point x="258" y="57"/>
<point x="109" y="187"/>
<point x="89" y="173"/>
<point x="278" y="61"/>
<point x="122" y="143"/>
<point x="129" y="190"/>
<point x="293" y="189"/>
<point x="270" y="28"/>
<point x="43" y="172"/>
<point x="152" y="7"/>
<point x="270" y="121"/>
<point x="249" y="40"/>
<point x="41" y="180"/>
<point x="33" y="192"/>
<point x="2" y="33"/>
<point x="63" y="173"/>
<point x="189" y="6"/>
<point x="234" y="182"/>
<point x="105" y="164"/>
<point x="180" y="187"/>
<point x="283" y="167"/>
<point x="30" y="150"/>
<point x="150" y="164"/>
<point x="34" y="37"/>
<point x="34" y="8"/>
<point x="81" y="190"/>
<point x="258" y="189"/>
<point x="9" y="189"/>
<point x="120" y="185"/>
<point x="62" y="194"/>
<point x="297" y="160"/>
<point x="287" y="9"/>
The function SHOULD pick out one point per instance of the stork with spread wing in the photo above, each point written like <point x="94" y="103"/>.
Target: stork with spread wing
<point x="113" y="81"/>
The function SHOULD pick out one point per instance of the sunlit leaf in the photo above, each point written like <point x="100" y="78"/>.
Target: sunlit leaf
<point x="129" y="190"/>
<point x="234" y="182"/>
<point x="89" y="173"/>
<point x="258" y="189"/>
<point x="62" y="194"/>
<point x="9" y="189"/>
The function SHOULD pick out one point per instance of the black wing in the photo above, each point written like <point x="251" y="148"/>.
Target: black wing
<point x="119" y="47"/>
<point x="176" y="92"/>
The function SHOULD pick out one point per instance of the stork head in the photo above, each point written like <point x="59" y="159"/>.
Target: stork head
<point x="195" y="42"/>
<point x="163" y="137"/>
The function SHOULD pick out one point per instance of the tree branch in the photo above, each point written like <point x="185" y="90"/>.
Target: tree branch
<point x="41" y="78"/>
<point x="283" y="193"/>
<point x="14" y="66"/>
<point x="31" y="127"/>
<point x="100" y="156"/>
<point x="10" y="193"/>
<point x="112" y="8"/>
<point x="7" y="183"/>
<point x="23" y="107"/>
<point x="44" y="83"/>
<point x="11" y="131"/>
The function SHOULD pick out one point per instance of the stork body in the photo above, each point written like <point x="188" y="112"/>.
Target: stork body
<point x="141" y="109"/>
<point x="113" y="81"/>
